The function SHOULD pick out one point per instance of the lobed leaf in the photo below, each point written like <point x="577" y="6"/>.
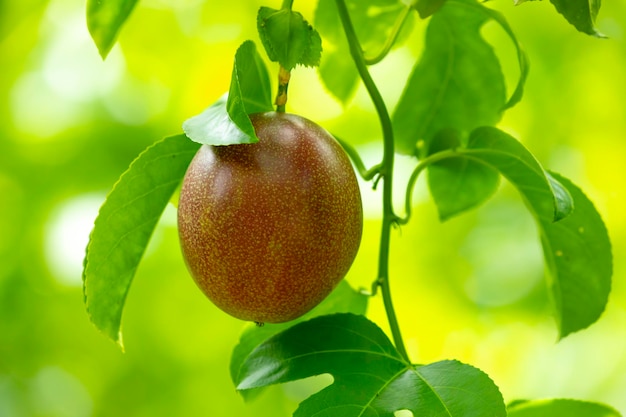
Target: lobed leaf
<point x="288" y="38"/>
<point x="457" y="83"/>
<point x="105" y="19"/>
<point x="580" y="13"/>
<point x="226" y="121"/>
<point x="343" y="299"/>
<point x="560" y="407"/>
<point x="358" y="354"/>
<point x="124" y="225"/>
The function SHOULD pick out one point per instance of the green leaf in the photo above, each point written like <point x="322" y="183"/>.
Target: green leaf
<point x="343" y="299"/>
<point x="575" y="241"/>
<point x="105" y="19"/>
<point x="226" y="122"/>
<point x="522" y="58"/>
<point x="370" y="376"/>
<point x="373" y="20"/>
<point x="124" y="225"/>
<point x="580" y="13"/>
<point x="458" y="82"/>
<point x="338" y="73"/>
<point x="560" y="407"/>
<point x="288" y="38"/>
<point x="545" y="196"/>
<point x="426" y="8"/>
<point x="578" y="254"/>
<point x="460" y="184"/>
<point x="250" y="84"/>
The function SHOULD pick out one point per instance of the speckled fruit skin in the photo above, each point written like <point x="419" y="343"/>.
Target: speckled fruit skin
<point x="269" y="229"/>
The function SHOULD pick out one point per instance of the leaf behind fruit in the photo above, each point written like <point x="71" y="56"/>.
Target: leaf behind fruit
<point x="124" y="226"/>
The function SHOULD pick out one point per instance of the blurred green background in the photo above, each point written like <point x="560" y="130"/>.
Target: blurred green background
<point x="471" y="288"/>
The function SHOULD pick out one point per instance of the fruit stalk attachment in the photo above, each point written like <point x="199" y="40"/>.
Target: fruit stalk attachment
<point x="283" y="84"/>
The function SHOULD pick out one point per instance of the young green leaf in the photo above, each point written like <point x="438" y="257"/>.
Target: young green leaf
<point x="344" y="299"/>
<point x="457" y="83"/>
<point x="288" y="38"/>
<point x="560" y="407"/>
<point x="105" y="19"/>
<point x="374" y="21"/>
<point x="124" y="225"/>
<point x="370" y="376"/>
<point x="226" y="122"/>
<point x="580" y="13"/>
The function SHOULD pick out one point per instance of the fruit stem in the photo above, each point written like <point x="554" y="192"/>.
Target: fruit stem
<point x="283" y="84"/>
<point x="385" y="172"/>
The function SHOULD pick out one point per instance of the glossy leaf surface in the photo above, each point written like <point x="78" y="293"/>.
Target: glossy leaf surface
<point x="343" y="299"/>
<point x="226" y="122"/>
<point x="105" y="19"/>
<point x="124" y="225"/>
<point x="357" y="353"/>
<point x="560" y="407"/>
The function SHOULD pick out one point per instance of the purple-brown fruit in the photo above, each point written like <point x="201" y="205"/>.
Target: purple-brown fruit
<point x="269" y="229"/>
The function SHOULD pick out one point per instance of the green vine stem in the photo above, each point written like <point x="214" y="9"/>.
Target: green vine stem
<point x="391" y="40"/>
<point x="385" y="173"/>
<point x="366" y="174"/>
<point x="424" y="163"/>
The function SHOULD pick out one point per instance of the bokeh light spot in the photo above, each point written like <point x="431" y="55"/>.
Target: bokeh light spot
<point x="67" y="235"/>
<point x="56" y="393"/>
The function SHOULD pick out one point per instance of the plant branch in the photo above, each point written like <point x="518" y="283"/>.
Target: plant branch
<point x="391" y="40"/>
<point x="385" y="173"/>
